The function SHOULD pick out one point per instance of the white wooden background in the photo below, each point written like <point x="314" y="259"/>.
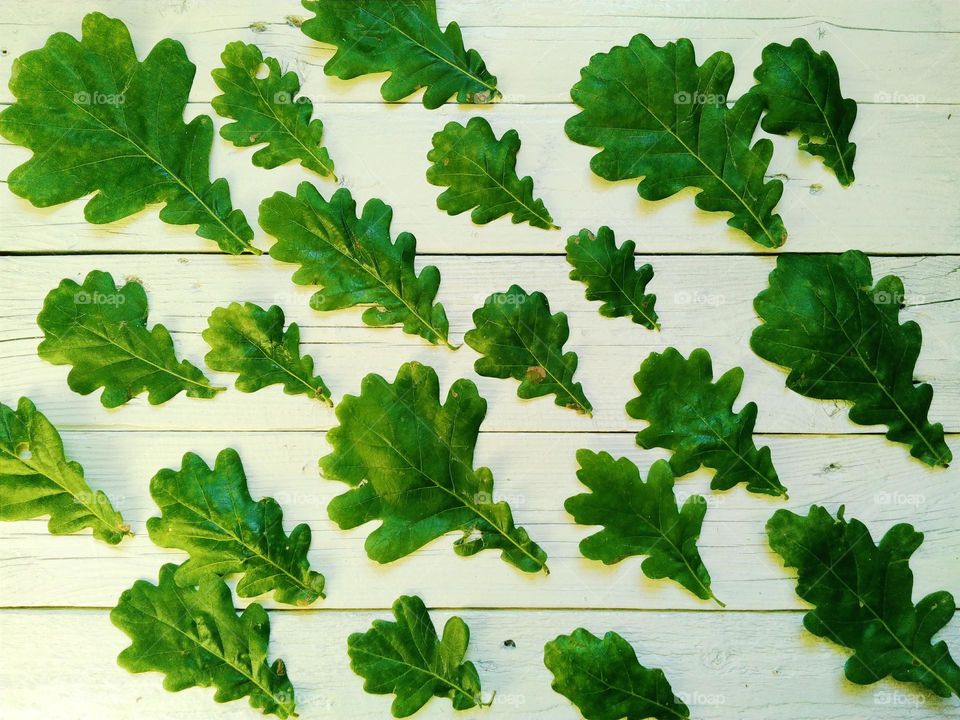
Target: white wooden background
<point x="897" y="59"/>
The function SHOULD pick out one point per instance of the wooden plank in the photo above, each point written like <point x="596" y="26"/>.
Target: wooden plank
<point x="904" y="200"/>
<point x="901" y="54"/>
<point x="702" y="301"/>
<point x="751" y="666"/>
<point x="535" y="472"/>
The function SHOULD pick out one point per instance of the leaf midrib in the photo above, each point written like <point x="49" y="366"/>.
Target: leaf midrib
<point x="609" y="275"/>
<point x="863" y="603"/>
<point x="854" y="345"/>
<point x="131" y="353"/>
<point x="282" y="123"/>
<point x="76" y="498"/>
<point x="196" y="641"/>
<point x="322" y="392"/>
<point x="702" y="162"/>
<point x="424" y="670"/>
<point x="156" y="161"/>
<point x="826" y="119"/>
<point x="683" y="401"/>
<point x="456" y="67"/>
<point x="569" y="390"/>
<point x="465" y="502"/>
<point x="663" y="536"/>
<point x="586" y="670"/>
<point x="240" y="541"/>
<point x="372" y="273"/>
<point x="550" y="225"/>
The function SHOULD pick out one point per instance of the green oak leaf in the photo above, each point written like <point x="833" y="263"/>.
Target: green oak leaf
<point x="841" y="338"/>
<point x="408" y="659"/>
<point x="401" y="37"/>
<point x="409" y="462"/>
<point x="209" y="514"/>
<point x="36" y="478"/>
<point x="693" y="416"/>
<point x="354" y="261"/>
<point x="251" y="341"/>
<point x="101" y="330"/>
<point x="268" y="111"/>
<point x="640" y="518"/>
<point x="196" y="639"/>
<point x="480" y="173"/>
<point x="612" y="277"/>
<point x="519" y="338"/>
<point x="98" y="121"/>
<point x="862" y="598"/>
<point x="660" y="116"/>
<point x="604" y="679"/>
<point x="801" y="91"/>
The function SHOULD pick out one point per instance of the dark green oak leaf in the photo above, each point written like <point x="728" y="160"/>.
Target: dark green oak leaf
<point x="612" y="277"/>
<point x="401" y="37"/>
<point x="98" y="121"/>
<point x="36" y="478"/>
<point x="251" y="341"/>
<point x="408" y="659"/>
<point x="101" y="330"/>
<point x="519" y="338"/>
<point x="354" y="261"/>
<point x="801" y="91"/>
<point x="196" y="639"/>
<point x="409" y="462"/>
<point x="209" y="514"/>
<point x="480" y="173"/>
<point x="267" y="110"/>
<point x="693" y="416"/>
<point x="862" y="597"/>
<point x="604" y="679"/>
<point x="640" y="518"/>
<point x="660" y="116"/>
<point x="841" y="338"/>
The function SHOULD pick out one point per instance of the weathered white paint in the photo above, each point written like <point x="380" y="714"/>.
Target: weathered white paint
<point x="750" y="661"/>
<point x="903" y="201"/>
<point x="703" y="301"/>
<point x="748" y="666"/>
<point x="535" y="473"/>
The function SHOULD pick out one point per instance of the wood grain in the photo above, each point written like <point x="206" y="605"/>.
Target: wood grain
<point x="903" y="201"/>
<point x="750" y="661"/>
<point x="535" y="472"/>
<point x="749" y="666"/>
<point x="703" y="302"/>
